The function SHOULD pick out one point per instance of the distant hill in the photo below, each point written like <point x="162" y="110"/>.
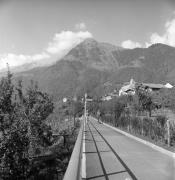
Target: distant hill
<point x="88" y="66"/>
<point x="153" y="64"/>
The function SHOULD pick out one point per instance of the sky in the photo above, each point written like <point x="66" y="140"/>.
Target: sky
<point x="43" y="31"/>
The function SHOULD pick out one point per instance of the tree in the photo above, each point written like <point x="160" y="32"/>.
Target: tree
<point x="13" y="140"/>
<point x="22" y="125"/>
<point x="37" y="107"/>
<point x="118" y="106"/>
<point x="166" y="98"/>
<point x="6" y="105"/>
<point x="76" y="109"/>
<point x="145" y="100"/>
<point x="94" y="106"/>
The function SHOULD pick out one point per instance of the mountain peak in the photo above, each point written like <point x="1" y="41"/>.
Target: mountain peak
<point x="94" y="54"/>
<point x="89" y="42"/>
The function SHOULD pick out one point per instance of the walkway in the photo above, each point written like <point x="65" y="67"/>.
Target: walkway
<point x="108" y="155"/>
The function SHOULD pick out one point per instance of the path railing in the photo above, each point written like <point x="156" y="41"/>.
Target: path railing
<point x="73" y="171"/>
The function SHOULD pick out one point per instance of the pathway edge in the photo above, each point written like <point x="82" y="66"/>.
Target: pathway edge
<point x="160" y="149"/>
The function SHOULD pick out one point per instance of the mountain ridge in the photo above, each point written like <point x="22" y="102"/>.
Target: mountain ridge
<point x="90" y="64"/>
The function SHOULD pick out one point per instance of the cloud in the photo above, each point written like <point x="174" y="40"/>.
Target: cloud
<point x="168" y="37"/>
<point x="60" y="45"/>
<point x="130" y="44"/>
<point x="66" y="40"/>
<point x="81" y="26"/>
<point x="18" y="60"/>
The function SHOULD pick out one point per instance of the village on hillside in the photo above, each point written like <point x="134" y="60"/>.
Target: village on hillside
<point x="129" y="88"/>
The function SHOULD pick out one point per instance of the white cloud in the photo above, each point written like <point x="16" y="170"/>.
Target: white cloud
<point x="61" y="44"/>
<point x="80" y="26"/>
<point x="41" y="56"/>
<point x="156" y="38"/>
<point x="130" y="44"/>
<point x="167" y="38"/>
<point x="65" y="41"/>
<point x="18" y="60"/>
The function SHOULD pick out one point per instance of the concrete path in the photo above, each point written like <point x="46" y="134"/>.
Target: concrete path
<point x="109" y="155"/>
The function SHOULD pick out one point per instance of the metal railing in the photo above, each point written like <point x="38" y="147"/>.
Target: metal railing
<point x="73" y="171"/>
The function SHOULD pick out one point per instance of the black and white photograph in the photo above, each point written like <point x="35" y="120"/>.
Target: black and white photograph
<point x="87" y="89"/>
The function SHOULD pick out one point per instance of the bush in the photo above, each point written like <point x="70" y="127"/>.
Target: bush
<point x="172" y="133"/>
<point x="136" y="124"/>
<point x="122" y="122"/>
<point x="161" y="120"/>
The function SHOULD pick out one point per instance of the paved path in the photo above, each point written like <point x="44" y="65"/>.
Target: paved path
<point x="112" y="156"/>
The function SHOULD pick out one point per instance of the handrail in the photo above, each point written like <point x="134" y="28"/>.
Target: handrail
<point x="73" y="169"/>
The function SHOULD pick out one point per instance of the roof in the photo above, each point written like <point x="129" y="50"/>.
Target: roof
<point x="152" y="85"/>
<point x="168" y="85"/>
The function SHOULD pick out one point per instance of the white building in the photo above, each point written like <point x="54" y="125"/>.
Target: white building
<point x="128" y="89"/>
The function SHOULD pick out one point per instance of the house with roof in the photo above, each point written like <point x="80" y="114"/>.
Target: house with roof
<point x="152" y="86"/>
<point x="156" y="87"/>
<point x="129" y="88"/>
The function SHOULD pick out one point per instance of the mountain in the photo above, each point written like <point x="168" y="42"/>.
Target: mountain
<point x="153" y="64"/>
<point x="95" y="55"/>
<point x="84" y="68"/>
<point x="88" y="66"/>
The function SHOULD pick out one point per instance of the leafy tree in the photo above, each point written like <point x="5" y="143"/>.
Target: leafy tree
<point x="14" y="141"/>
<point x="6" y="105"/>
<point x="145" y="100"/>
<point x="119" y="105"/>
<point x="94" y="106"/>
<point x="76" y="109"/>
<point x="22" y="125"/>
<point x="37" y="107"/>
<point x="166" y="98"/>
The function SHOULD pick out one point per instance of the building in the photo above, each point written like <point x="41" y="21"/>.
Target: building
<point x="156" y="87"/>
<point x="128" y="88"/>
<point x="152" y="86"/>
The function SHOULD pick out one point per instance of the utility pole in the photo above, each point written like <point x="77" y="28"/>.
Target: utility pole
<point x="85" y="106"/>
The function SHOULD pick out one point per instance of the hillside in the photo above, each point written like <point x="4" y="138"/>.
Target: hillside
<point x="95" y="55"/>
<point x="90" y="64"/>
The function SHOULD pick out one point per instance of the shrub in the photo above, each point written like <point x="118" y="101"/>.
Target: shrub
<point x="161" y="120"/>
<point x="136" y="124"/>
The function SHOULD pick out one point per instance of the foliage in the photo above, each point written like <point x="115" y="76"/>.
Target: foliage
<point x="145" y="99"/>
<point x="123" y="112"/>
<point x="76" y="108"/>
<point x="166" y="98"/>
<point x="161" y="120"/>
<point x="118" y="108"/>
<point x="22" y="126"/>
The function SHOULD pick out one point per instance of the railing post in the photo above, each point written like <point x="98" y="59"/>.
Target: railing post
<point x="168" y="132"/>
